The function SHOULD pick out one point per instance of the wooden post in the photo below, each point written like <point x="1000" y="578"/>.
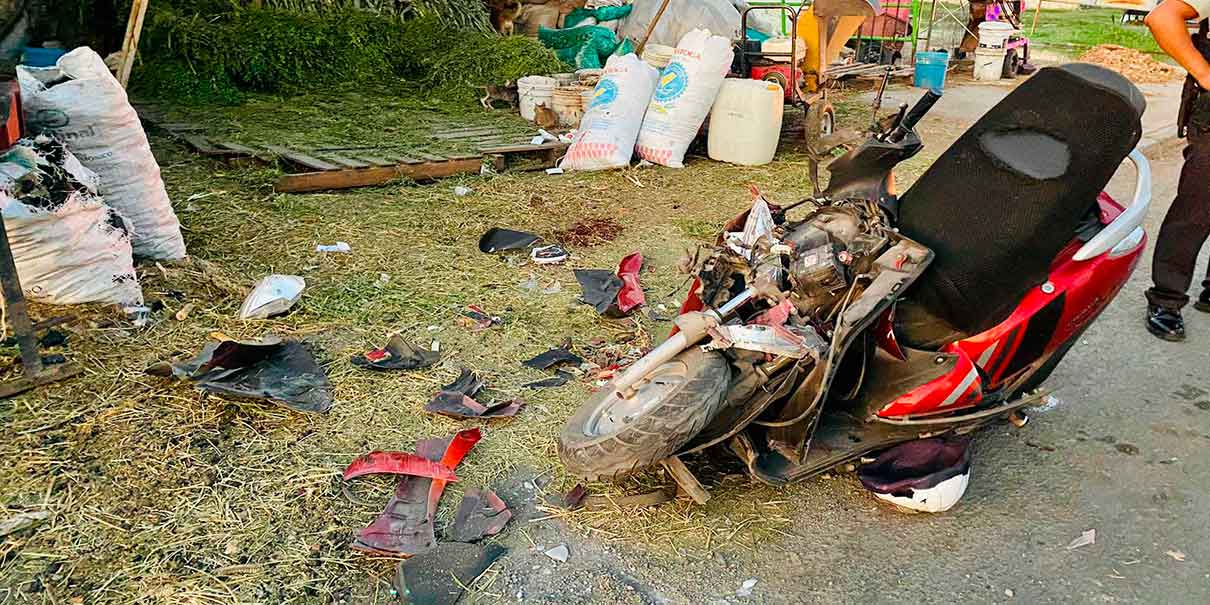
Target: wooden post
<point x="1037" y="10"/>
<point x="130" y="44"/>
<point x="651" y="28"/>
<point x="685" y="480"/>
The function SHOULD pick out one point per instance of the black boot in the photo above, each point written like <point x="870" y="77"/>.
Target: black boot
<point x="1165" y="323"/>
<point x="1203" y="302"/>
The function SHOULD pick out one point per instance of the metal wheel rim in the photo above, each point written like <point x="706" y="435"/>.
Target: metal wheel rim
<point x="615" y="413"/>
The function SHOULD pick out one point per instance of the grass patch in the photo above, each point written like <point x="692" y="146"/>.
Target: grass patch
<point x="1071" y="32"/>
<point x="158" y="493"/>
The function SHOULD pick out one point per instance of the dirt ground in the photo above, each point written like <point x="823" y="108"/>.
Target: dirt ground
<point x="158" y="494"/>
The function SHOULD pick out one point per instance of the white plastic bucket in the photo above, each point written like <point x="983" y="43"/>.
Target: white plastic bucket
<point x="589" y="76"/>
<point x="745" y="122"/>
<point x="994" y="34"/>
<point x="989" y="63"/>
<point x="533" y="91"/>
<point x="658" y="55"/>
<point x="568" y="103"/>
<point x="587" y="96"/>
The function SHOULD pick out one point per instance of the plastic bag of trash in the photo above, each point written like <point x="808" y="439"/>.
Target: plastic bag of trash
<point x="274" y="295"/>
<point x="69" y="247"/>
<point x="81" y="103"/>
<point x="685" y="94"/>
<point x="681" y="17"/>
<point x="611" y="124"/>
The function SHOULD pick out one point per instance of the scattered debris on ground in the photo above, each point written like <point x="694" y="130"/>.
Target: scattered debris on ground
<point x="457" y="400"/>
<point x="505" y="240"/>
<point x="398" y="354"/>
<point x="613" y="293"/>
<point x="475" y="319"/>
<point x="274" y="295"/>
<point x="405" y="526"/>
<point x="440" y="576"/>
<point x="559" y="553"/>
<point x="480" y="514"/>
<point x="1088" y="538"/>
<point x="1136" y="65"/>
<point x="281" y="371"/>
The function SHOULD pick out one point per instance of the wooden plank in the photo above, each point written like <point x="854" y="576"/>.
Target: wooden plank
<point x="199" y="144"/>
<point x="685" y="480"/>
<point x="403" y="159"/>
<point x="301" y="159"/>
<point x="236" y="147"/>
<point x="526" y="148"/>
<point x="344" y="161"/>
<point x="426" y="156"/>
<point x="130" y="43"/>
<point x="366" y="177"/>
<point x="374" y="160"/>
<point x="463" y="133"/>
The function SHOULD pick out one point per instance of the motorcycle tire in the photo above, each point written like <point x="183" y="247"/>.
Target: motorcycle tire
<point x="683" y="396"/>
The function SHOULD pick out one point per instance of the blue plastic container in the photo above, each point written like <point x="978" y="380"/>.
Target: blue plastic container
<point x="930" y="69"/>
<point x="33" y="56"/>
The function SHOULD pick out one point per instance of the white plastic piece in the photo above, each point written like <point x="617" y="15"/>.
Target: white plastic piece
<point x="1126" y="230"/>
<point x="90" y="112"/>
<point x="936" y="499"/>
<point x="340" y="247"/>
<point x="759" y="224"/>
<point x="274" y="295"/>
<point x="462" y="190"/>
<point x="686" y="92"/>
<point x="611" y="124"/>
<point x="555" y="170"/>
<point x="745" y="122"/>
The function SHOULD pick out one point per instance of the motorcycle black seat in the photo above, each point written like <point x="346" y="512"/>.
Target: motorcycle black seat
<point x="1001" y="203"/>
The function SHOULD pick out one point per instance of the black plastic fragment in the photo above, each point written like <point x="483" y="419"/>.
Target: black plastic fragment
<point x="437" y="576"/>
<point x="504" y="240"/>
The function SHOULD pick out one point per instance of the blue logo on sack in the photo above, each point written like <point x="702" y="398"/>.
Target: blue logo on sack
<point x="673" y="82"/>
<point x="604" y="94"/>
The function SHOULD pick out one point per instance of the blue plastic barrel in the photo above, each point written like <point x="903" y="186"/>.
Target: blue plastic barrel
<point x="930" y="69"/>
<point x="33" y="56"/>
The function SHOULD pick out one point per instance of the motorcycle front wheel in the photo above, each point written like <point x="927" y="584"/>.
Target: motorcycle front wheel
<point x="610" y="436"/>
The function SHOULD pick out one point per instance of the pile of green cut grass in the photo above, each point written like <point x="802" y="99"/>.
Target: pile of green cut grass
<point x="193" y="58"/>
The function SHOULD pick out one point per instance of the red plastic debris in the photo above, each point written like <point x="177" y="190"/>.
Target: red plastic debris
<point x="454" y="453"/>
<point x="631" y="295"/>
<point x="405" y="527"/>
<point x="398" y="463"/>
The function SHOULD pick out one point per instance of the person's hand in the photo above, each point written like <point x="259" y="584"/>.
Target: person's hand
<point x="1203" y="80"/>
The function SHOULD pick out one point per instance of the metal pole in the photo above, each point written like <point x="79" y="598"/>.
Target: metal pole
<point x="18" y="316"/>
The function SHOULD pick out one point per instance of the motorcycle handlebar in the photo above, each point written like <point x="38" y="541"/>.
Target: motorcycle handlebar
<point x="922" y="107"/>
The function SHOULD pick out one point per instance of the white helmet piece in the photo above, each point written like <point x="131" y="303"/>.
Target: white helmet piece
<point x="926" y="475"/>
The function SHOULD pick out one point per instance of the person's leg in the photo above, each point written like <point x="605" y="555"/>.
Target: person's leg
<point x="1184" y="230"/>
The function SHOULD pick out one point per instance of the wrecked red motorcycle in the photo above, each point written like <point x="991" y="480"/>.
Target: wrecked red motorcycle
<point x="874" y="319"/>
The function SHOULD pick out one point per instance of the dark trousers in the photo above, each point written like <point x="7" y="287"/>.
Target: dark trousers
<point x="1185" y="229"/>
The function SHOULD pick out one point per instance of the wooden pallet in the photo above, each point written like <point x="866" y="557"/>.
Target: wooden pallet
<point x="454" y="152"/>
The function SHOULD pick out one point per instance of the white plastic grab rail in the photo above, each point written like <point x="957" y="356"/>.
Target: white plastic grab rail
<point x="1128" y="226"/>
